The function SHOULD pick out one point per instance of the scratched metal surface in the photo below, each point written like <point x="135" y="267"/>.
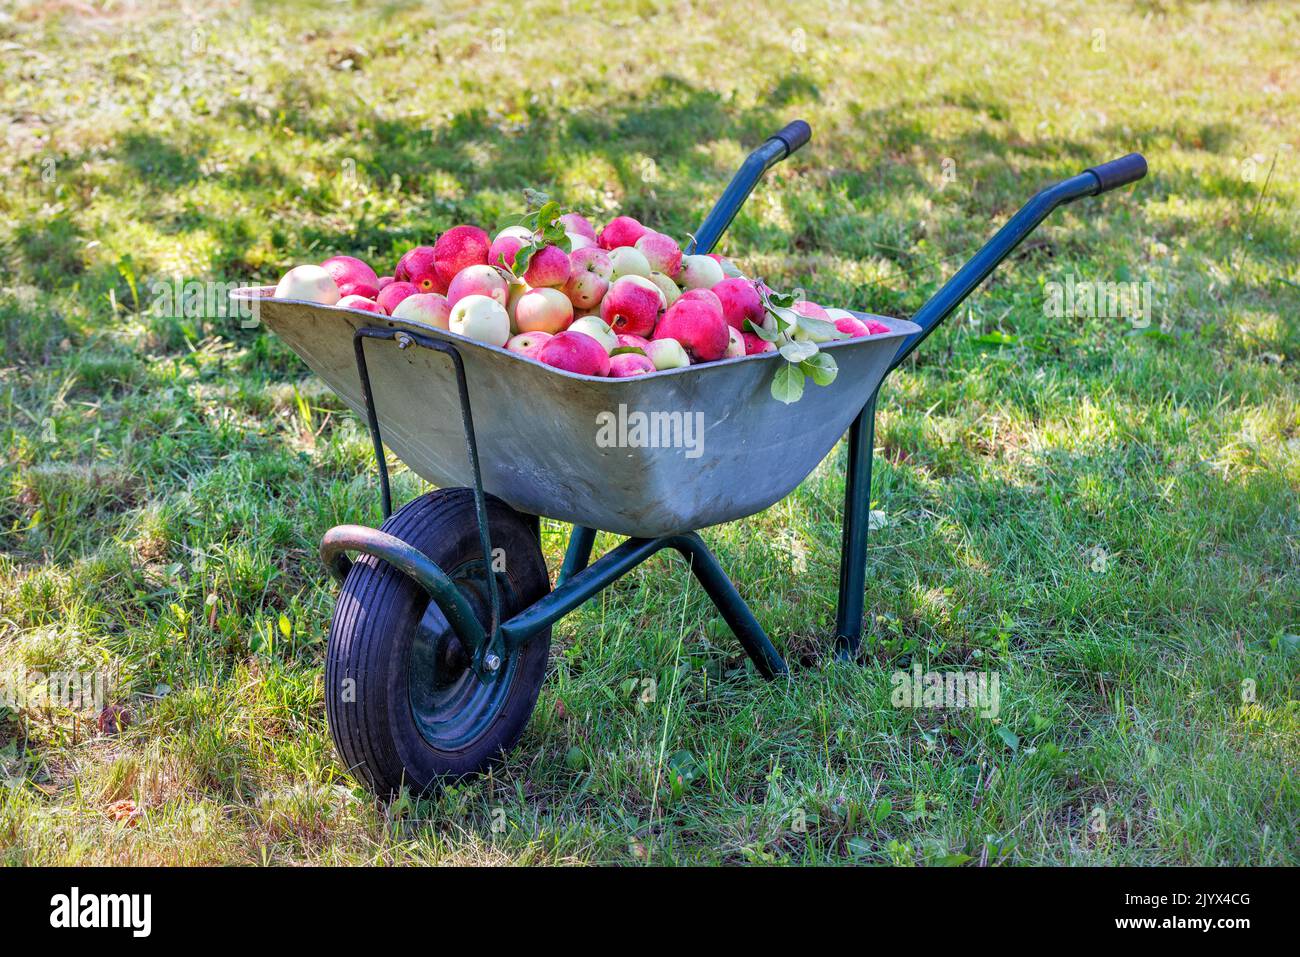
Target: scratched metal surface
<point x="539" y="429"/>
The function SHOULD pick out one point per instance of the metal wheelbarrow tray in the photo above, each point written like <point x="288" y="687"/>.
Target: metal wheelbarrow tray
<point x="440" y="638"/>
<point x="540" y="430"/>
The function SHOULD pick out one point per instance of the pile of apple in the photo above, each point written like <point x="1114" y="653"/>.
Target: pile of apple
<point x="620" y="302"/>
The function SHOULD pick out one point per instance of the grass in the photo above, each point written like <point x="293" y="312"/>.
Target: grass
<point x="1104" y="516"/>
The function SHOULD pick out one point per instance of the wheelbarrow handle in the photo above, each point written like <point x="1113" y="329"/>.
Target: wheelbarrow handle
<point x="775" y="148"/>
<point x="1119" y="172"/>
<point x="1091" y="182"/>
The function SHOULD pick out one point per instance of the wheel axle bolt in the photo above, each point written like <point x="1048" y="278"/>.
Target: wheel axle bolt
<point x="492" y="662"/>
<point x="403" y="341"/>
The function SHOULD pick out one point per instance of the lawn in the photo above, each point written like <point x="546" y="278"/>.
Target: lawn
<point x="1102" y="512"/>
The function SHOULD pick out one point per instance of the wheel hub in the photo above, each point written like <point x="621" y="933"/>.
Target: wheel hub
<point x="450" y="703"/>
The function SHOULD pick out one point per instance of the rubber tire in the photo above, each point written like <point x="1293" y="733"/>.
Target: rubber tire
<point x="370" y="637"/>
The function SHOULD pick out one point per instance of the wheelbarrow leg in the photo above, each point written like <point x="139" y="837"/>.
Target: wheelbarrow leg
<point x="734" y="611"/>
<point x="853" y="545"/>
<point x="578" y="554"/>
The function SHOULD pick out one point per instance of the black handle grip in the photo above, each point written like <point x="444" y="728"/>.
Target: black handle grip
<point x="1119" y="172"/>
<point x="795" y="135"/>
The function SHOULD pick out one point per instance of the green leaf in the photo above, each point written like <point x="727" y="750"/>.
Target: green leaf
<point x="882" y="810"/>
<point x="684" y="767"/>
<point x="523" y="257"/>
<point x="797" y="350"/>
<point x="764" y="333"/>
<point x="859" y="847"/>
<point x="1008" y="737"/>
<point x="787" y="383"/>
<point x="286" y="627"/>
<point x="1286" y="643"/>
<point x="778" y="299"/>
<point x="821" y="368"/>
<point x="535" y="199"/>
<point x="952" y="860"/>
<point x="635" y="350"/>
<point x="820" y="330"/>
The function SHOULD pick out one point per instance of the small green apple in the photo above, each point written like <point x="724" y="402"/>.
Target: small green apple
<point x="700" y="272"/>
<point x="628" y="261"/>
<point x="481" y="318"/>
<point x="667" y="287"/>
<point x="311" y="283"/>
<point x="598" y="329"/>
<point x="667" y="354"/>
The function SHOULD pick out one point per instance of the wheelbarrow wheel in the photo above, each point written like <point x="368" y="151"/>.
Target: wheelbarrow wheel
<point x="404" y="707"/>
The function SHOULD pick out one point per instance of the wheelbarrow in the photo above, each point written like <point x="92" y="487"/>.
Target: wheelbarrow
<point x="440" y="636"/>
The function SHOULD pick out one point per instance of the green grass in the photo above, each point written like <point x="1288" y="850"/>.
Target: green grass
<point x="165" y="480"/>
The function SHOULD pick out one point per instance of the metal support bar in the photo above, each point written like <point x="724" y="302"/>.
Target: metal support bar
<point x="412" y="562"/>
<point x="578" y="554"/>
<point x="404" y="340"/>
<point x="853" y="542"/>
<point x="575" y="590"/>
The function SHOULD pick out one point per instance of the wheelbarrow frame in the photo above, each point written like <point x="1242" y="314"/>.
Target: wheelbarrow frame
<point x="580" y="579"/>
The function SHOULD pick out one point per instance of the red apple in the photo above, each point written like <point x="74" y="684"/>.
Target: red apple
<point x="662" y="252"/>
<point x="362" y="303"/>
<point x="417" y="266"/>
<point x="627" y="364"/>
<point x="350" y="271"/>
<point x="589" y="271"/>
<point x="528" y="343"/>
<point x="852" y="326"/>
<point x="478" y="281"/>
<point x="698" y="327"/>
<point x="383" y="281"/>
<point x="548" y="267"/>
<point x="503" y="249"/>
<point x="429" y="308"/>
<point x="575" y="352"/>
<point x="363" y="289"/>
<point x="706" y="296"/>
<point x="740" y="302"/>
<point x="543" y="310"/>
<point x="754" y="345"/>
<point x="455" y="249"/>
<point x="394" y="293"/>
<point x="632" y="305"/>
<point x="578" y="225"/>
<point x="621" y="231"/>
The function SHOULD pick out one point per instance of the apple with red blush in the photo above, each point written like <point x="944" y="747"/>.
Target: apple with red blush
<point x="543" y="310"/>
<point x="528" y="343"/>
<point x="632" y="305"/>
<point x="394" y="293"/>
<point x="549" y="266"/>
<point x="625" y="365"/>
<point x="429" y="308"/>
<point x="575" y="352"/>
<point x="621" y="231"/>
<point x="699" y="328"/>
